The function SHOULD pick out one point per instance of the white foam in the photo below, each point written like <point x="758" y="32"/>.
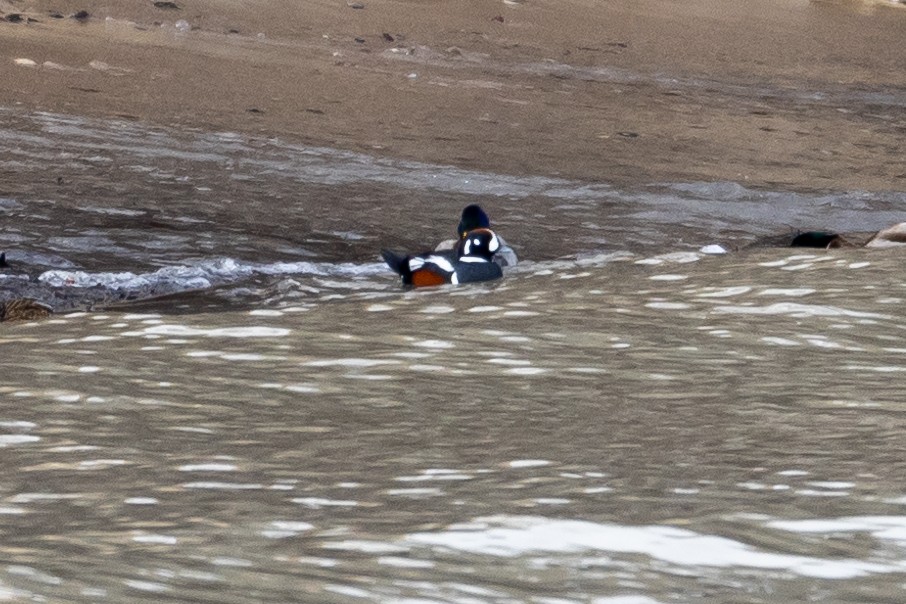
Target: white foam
<point x="512" y="536"/>
<point x="379" y="308"/>
<point x="439" y="309"/>
<point x="725" y="292"/>
<point x="780" y="341"/>
<point x="713" y="249"/>
<point x="892" y="528"/>
<point x="485" y="309"/>
<point x="155" y="539"/>
<point x="19" y="424"/>
<point x="660" y="305"/>
<point x="321" y="502"/>
<point x="797" y="310"/>
<point x="832" y="484"/>
<point x="204" y="274"/>
<point x="787" y="291"/>
<point x="148" y="586"/>
<point x="8" y="440"/>
<point x="526" y="370"/>
<point x="281" y="529"/>
<point x="528" y="463"/>
<point x="398" y="562"/>
<point x="92" y="464"/>
<point x="223" y="486"/>
<point x="365" y="547"/>
<point x="415" y="492"/>
<point x="219" y="332"/>
<point x="668" y="277"/>
<point x="208" y="467"/>
<point x="351" y="362"/>
<point x="438" y="344"/>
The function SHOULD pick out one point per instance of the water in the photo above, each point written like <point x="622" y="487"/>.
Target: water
<point x="126" y="211"/>
<point x="622" y="419"/>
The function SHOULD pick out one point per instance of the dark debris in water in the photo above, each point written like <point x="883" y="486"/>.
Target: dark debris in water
<point x="19" y="18"/>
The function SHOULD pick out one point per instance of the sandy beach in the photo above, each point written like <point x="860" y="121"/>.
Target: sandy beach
<point x="791" y="94"/>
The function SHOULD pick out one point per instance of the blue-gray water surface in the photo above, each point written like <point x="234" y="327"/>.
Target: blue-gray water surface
<point x="622" y="419"/>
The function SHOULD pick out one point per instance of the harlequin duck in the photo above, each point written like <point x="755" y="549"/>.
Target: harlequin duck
<point x="471" y="261"/>
<point x="474" y="217"/>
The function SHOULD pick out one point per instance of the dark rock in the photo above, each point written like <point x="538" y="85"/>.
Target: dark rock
<point x="167" y="5"/>
<point x="82" y="15"/>
<point x="23" y="309"/>
<point x="57" y="15"/>
<point x="255" y="110"/>
<point x="357" y="5"/>
<point x="14" y="18"/>
<point x="387" y="37"/>
<point x="817" y="239"/>
<point x="360" y="40"/>
<point x="498" y="18"/>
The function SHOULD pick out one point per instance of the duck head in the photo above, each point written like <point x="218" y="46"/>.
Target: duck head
<point x="473" y="217"/>
<point x="478" y="245"/>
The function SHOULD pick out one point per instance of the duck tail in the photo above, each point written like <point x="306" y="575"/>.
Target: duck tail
<point x="397" y="262"/>
<point x="3" y="263"/>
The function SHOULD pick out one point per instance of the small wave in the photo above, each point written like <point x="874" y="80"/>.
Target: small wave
<point x="227" y="278"/>
<point x="512" y="536"/>
<point x="204" y="274"/>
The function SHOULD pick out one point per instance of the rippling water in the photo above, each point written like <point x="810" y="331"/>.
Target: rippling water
<point x="648" y="429"/>
<point x="622" y="419"/>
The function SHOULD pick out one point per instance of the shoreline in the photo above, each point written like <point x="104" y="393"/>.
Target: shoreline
<point x="541" y="92"/>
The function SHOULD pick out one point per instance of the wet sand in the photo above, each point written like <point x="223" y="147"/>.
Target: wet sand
<point x="790" y="94"/>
